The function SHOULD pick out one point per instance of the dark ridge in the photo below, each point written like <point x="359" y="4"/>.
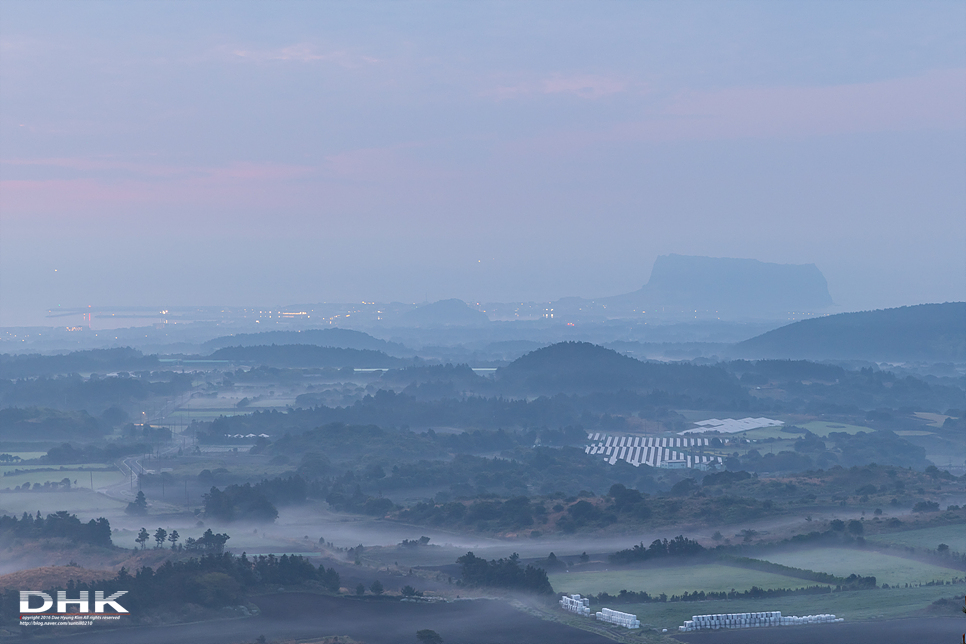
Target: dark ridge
<point x="337" y="338"/>
<point x="745" y="287"/>
<point x="31" y="365"/>
<point x="577" y="367"/>
<point x="444" y="313"/>
<point x="308" y="356"/>
<point x="927" y="332"/>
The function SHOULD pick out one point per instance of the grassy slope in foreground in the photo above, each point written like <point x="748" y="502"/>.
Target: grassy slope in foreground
<point x="672" y="580"/>
<point x="930" y="332"/>
<point x="845" y="561"/>
<point x="852" y="605"/>
<point x="953" y="536"/>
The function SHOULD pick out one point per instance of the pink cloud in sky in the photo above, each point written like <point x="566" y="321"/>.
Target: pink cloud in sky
<point x="300" y="53"/>
<point x="151" y="186"/>
<point x="581" y="85"/>
<point x="353" y="181"/>
<point x="933" y="101"/>
<point x="367" y="179"/>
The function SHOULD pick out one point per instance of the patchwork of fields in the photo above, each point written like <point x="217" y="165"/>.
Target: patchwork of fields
<point x="885" y="568"/>
<point x="953" y="536"/>
<point x="822" y="428"/>
<point x="672" y="580"/>
<point x="82" y="502"/>
<point x="852" y="605"/>
<point x="80" y="473"/>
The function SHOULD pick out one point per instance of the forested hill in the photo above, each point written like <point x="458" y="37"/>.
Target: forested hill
<point x="581" y="367"/>
<point x="927" y="332"/>
<point x="309" y="355"/>
<point x="93" y="361"/>
<point x="339" y="338"/>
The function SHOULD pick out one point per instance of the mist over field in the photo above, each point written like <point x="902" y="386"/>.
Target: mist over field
<point x="475" y="323"/>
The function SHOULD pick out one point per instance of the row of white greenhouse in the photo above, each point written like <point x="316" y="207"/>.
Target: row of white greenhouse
<point x="752" y="620"/>
<point x="665" y="452"/>
<point x="627" y="620"/>
<point x="581" y="606"/>
<point x="575" y="604"/>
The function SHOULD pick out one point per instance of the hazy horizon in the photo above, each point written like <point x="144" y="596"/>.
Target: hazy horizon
<point x="250" y="154"/>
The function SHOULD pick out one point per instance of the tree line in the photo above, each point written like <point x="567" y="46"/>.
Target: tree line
<point x="63" y="525"/>
<point x="212" y="580"/>
<point x="503" y="573"/>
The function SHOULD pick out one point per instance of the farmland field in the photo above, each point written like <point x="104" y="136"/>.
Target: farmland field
<point x="671" y="580"/>
<point x="935" y="420"/>
<point x="35" y="474"/>
<point x="301" y="616"/>
<point x="824" y="429"/>
<point x="769" y="432"/>
<point x="25" y="455"/>
<point x="843" y="562"/>
<point x="82" y="502"/>
<point x="852" y="605"/>
<point x="953" y="536"/>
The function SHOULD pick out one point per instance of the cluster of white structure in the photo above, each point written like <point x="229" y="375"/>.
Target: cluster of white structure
<point x="618" y="618"/>
<point x="752" y="620"/>
<point x="576" y="604"/>
<point x="732" y="425"/>
<point x="653" y="451"/>
<point x="246" y="435"/>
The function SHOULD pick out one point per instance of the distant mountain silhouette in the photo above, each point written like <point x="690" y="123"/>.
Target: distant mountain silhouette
<point x="733" y="287"/>
<point x="927" y="332"/>
<point x="581" y="367"/>
<point x="444" y="313"/>
<point x="340" y="338"/>
<point x="307" y="356"/>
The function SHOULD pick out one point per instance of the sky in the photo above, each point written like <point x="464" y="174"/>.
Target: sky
<point x="265" y="153"/>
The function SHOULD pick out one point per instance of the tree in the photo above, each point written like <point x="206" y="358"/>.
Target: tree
<point x="208" y="542"/>
<point x="173" y="538"/>
<point x="159" y="536"/>
<point x="942" y="548"/>
<point x="138" y="506"/>
<point x="855" y="526"/>
<point x="426" y="636"/>
<point x="330" y="578"/>
<point x="361" y="589"/>
<point x="376" y="587"/>
<point x="409" y="591"/>
<point x="143" y="537"/>
<point x="239" y="503"/>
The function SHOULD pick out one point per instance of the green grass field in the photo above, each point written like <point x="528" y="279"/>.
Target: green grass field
<point x="843" y="562"/>
<point x="822" y="428"/>
<point x="672" y="580"/>
<point x="33" y="466"/>
<point x="953" y="536"/>
<point x="84" y="503"/>
<point x="854" y="605"/>
<point x="24" y="455"/>
<point x="769" y="432"/>
<point x="82" y="477"/>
